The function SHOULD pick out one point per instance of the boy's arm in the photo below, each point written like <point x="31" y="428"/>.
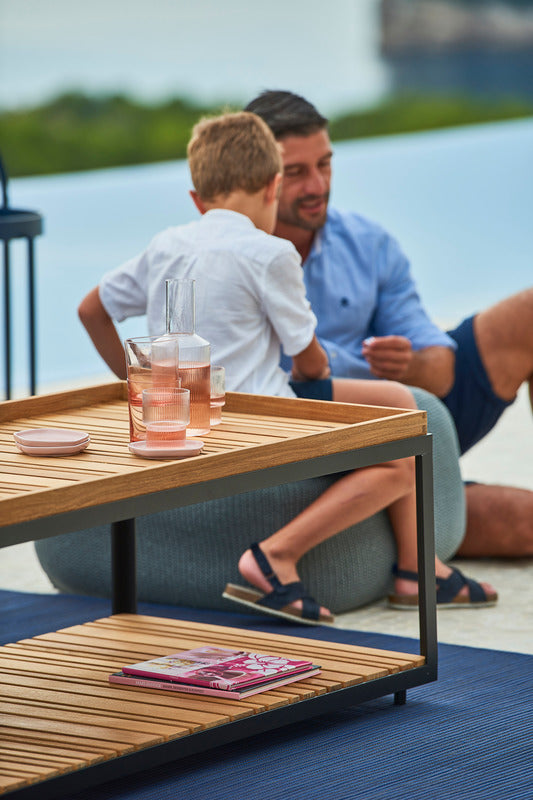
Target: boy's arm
<point x="311" y="363"/>
<point x="103" y="333"/>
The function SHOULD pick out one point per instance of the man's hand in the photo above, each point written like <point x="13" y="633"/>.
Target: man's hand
<point x="388" y="356"/>
<point x="393" y="358"/>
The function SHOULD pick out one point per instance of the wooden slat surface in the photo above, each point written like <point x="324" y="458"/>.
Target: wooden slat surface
<point x="59" y="713"/>
<point x="256" y="433"/>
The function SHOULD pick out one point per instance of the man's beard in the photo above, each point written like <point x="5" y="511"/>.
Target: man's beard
<point x="293" y="215"/>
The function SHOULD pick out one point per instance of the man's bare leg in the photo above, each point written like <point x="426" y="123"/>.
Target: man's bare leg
<point x="499" y="522"/>
<point x="500" y="518"/>
<point x="504" y="336"/>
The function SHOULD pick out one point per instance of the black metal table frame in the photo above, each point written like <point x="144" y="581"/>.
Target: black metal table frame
<point x="121" y="514"/>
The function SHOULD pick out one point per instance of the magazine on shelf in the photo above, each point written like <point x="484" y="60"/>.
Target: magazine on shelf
<point x="231" y="694"/>
<point x="219" y="668"/>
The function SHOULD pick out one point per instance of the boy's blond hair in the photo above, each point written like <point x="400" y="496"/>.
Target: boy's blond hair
<point x="232" y="152"/>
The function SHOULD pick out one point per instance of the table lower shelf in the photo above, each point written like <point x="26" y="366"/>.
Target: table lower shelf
<point x="61" y="718"/>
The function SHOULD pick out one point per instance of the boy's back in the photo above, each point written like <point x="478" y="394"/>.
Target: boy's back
<point x="250" y="292"/>
<point x="249" y="295"/>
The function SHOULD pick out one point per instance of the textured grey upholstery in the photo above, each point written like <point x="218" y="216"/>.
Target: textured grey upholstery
<point x="186" y="556"/>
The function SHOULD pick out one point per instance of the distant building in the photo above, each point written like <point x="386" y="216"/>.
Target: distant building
<point x="479" y="48"/>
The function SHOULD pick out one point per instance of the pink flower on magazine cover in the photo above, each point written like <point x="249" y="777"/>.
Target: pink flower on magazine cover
<point x="268" y="665"/>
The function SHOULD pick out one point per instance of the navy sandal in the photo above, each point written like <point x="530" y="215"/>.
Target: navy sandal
<point x="278" y="601"/>
<point x="447" y="592"/>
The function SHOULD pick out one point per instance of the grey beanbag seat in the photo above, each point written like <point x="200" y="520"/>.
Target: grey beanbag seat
<point x="187" y="555"/>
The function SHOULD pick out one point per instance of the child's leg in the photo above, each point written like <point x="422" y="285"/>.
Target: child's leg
<point x="372" y="393"/>
<point x="402" y="514"/>
<point x="349" y="500"/>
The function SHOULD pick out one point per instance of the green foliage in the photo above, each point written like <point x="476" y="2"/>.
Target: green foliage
<point x="406" y="114"/>
<point x="77" y="132"/>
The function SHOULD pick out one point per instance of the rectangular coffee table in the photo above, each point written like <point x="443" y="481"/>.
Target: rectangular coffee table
<point x="62" y="726"/>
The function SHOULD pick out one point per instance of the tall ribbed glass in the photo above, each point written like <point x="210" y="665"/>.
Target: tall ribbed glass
<point x="152" y="363"/>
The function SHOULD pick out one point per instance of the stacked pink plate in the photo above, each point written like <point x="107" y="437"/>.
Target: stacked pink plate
<point x="51" y="441"/>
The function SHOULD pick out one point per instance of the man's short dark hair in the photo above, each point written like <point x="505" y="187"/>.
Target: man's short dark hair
<point x="287" y="114"/>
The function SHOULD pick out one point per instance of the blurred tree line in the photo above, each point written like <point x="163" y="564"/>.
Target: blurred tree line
<point x="79" y="132"/>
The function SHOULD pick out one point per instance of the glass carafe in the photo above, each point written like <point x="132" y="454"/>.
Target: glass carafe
<point x="194" y="352"/>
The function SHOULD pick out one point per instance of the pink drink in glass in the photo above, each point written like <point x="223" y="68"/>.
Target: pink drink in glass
<point x="164" y="433"/>
<point x="138" y="380"/>
<point x="194" y="351"/>
<point x="218" y="392"/>
<point x="151" y="362"/>
<point x="161" y="375"/>
<point x="216" y="409"/>
<point x="166" y="415"/>
<point x="196" y="378"/>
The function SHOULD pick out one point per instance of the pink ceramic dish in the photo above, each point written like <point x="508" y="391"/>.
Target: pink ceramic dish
<point x="51" y="437"/>
<point x="185" y="448"/>
<point x="58" y="450"/>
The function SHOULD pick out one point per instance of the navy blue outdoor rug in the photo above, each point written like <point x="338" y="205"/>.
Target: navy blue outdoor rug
<point x="467" y="736"/>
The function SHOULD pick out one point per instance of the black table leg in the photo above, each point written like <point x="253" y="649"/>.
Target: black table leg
<point x="400" y="697"/>
<point x="123" y="567"/>
<point x="426" y="557"/>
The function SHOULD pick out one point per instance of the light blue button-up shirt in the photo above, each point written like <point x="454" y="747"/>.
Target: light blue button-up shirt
<point x="359" y="284"/>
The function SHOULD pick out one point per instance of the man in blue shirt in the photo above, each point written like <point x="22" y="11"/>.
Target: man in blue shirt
<point x="372" y="323"/>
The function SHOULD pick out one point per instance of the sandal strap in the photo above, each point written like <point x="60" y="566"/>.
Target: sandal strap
<point x="448" y="588"/>
<point x="286" y="593"/>
<point x="405" y="574"/>
<point x="264" y="565"/>
<point x="283" y="594"/>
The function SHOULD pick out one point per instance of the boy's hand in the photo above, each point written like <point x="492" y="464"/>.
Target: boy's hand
<point x="311" y="364"/>
<point x="296" y="375"/>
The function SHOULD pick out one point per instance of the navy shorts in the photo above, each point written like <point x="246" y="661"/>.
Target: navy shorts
<point x="472" y="403"/>
<point x="313" y="390"/>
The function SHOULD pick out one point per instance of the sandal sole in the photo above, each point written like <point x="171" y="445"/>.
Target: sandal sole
<point x="442" y="606"/>
<point x="250" y="598"/>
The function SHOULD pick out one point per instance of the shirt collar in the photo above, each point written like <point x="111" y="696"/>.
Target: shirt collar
<point x="318" y="241"/>
<point x="316" y="247"/>
<point x="227" y="215"/>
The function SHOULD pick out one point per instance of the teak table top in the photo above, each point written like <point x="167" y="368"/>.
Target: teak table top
<point x="256" y="432"/>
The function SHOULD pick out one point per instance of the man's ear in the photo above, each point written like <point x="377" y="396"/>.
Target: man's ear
<point x="197" y="201"/>
<point x="272" y="189"/>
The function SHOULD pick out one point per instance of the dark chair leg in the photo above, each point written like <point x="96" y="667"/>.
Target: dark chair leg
<point x="400" y="697"/>
<point x="123" y="569"/>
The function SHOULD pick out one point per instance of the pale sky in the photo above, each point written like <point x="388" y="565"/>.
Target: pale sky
<point x="208" y="49"/>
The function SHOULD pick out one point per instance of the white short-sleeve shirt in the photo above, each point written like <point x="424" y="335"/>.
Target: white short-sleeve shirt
<point x="250" y="295"/>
